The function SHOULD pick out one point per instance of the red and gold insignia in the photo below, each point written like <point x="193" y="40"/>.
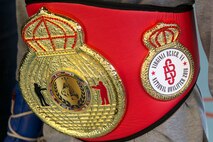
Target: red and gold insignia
<point x="168" y="70"/>
<point x="67" y="84"/>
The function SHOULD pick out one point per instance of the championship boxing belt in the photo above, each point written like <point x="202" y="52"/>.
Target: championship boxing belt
<point x="102" y="71"/>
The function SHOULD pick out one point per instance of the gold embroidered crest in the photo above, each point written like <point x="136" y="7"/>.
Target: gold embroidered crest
<point x="168" y="69"/>
<point x="67" y="84"/>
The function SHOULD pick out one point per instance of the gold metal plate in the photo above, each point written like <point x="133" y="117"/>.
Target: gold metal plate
<point x="67" y="84"/>
<point x="169" y="68"/>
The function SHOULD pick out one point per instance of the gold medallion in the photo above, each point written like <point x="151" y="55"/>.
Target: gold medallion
<point x="67" y="84"/>
<point x="69" y="91"/>
<point x="168" y="69"/>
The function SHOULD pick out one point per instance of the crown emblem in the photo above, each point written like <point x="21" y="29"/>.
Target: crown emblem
<point x="48" y="33"/>
<point x="168" y="69"/>
<point x="161" y="35"/>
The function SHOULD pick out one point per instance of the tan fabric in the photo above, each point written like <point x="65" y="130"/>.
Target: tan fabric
<point x="21" y="19"/>
<point x="204" y="11"/>
<point x="165" y="3"/>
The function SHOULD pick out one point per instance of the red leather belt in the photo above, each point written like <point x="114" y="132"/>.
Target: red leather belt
<point x="126" y="38"/>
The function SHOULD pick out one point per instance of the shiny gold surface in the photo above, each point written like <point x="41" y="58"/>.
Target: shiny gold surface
<point x="67" y="84"/>
<point x="161" y="39"/>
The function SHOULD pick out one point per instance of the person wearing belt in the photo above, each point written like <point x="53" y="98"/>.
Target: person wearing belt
<point x="149" y="75"/>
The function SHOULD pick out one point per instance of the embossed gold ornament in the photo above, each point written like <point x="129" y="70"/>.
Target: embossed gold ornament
<point x="66" y="83"/>
<point x="169" y="68"/>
